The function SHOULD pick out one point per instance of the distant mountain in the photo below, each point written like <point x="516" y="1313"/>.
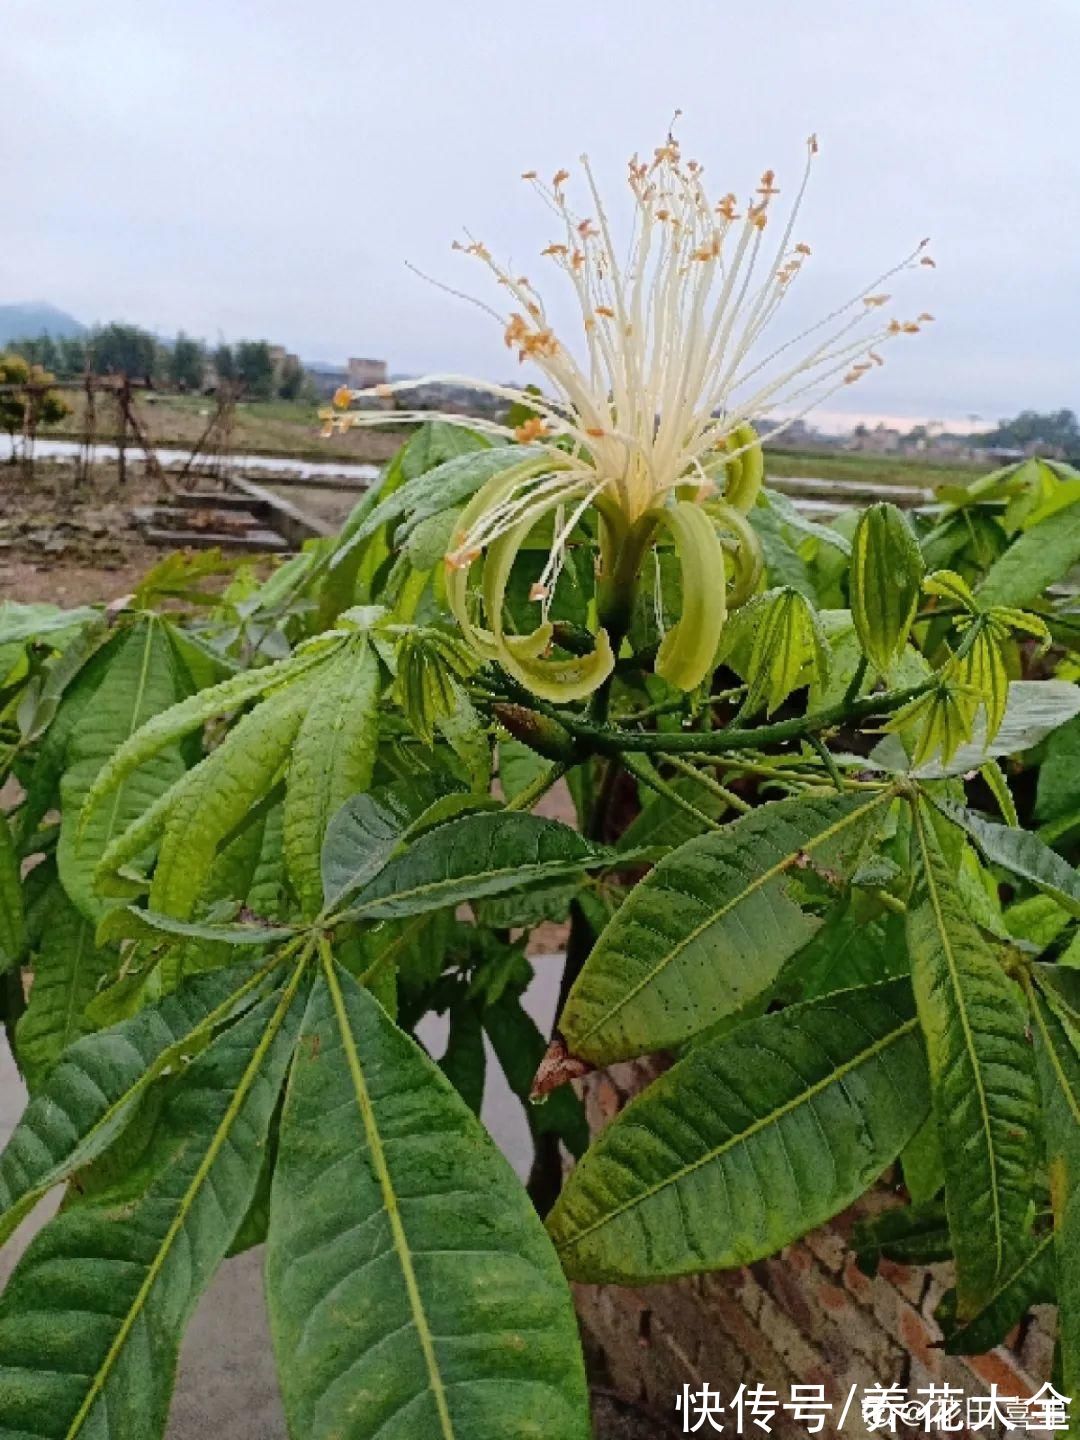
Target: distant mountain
<point x="21" y="322"/>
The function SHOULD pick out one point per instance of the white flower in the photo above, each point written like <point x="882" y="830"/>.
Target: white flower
<point x="648" y="409"/>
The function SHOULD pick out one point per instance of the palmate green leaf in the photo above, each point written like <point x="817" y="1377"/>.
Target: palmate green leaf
<point x="429" y="663"/>
<point x="1058" y="792"/>
<point x="1040" y="557"/>
<point x="940" y="719"/>
<point x="27" y="622"/>
<point x="663" y="823"/>
<point x="1021" y="852"/>
<point x="179" y="720"/>
<point x="466" y="732"/>
<point x="854" y="946"/>
<point x="214" y="798"/>
<point x="998" y="785"/>
<point x="367" y="830"/>
<point x="91" y="1321"/>
<point x="92" y="1092"/>
<point x="982" y="1073"/>
<point x="61" y="672"/>
<point x="886" y="574"/>
<point x="410" y="1287"/>
<point x="464" y="1061"/>
<point x="711" y="925"/>
<point x="748" y="1142"/>
<point x="434" y="443"/>
<point x="907" y="1235"/>
<point x="332" y="758"/>
<point x="1030" y="1283"/>
<point x="68" y="970"/>
<point x="12" y="919"/>
<point x="1035" y="709"/>
<point x="42" y="791"/>
<point x="481" y="854"/>
<point x="923" y="1166"/>
<point x="132" y="923"/>
<point x="796" y="523"/>
<point x="787" y="650"/>
<point x="1057" y="1035"/>
<point x="519" y="766"/>
<point x="442" y="488"/>
<point x="139" y="682"/>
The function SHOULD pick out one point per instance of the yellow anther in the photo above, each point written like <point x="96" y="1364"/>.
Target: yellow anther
<point x="529" y="430"/>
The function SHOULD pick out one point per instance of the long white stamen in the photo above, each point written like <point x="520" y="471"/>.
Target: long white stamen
<point x="668" y="360"/>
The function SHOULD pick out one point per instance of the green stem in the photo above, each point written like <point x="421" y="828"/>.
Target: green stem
<point x="891" y="902"/>
<point x="792" y="768"/>
<point x="736" y="802"/>
<point x="671" y="707"/>
<point x="540" y="786"/>
<point x="642" y="769"/>
<point x="611" y="740"/>
<point x="827" y="760"/>
<point x="855" y="686"/>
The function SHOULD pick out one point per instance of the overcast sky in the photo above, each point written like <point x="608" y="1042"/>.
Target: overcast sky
<point x="263" y="167"/>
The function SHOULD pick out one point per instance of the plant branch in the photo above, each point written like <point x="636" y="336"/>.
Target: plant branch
<point x="827" y="760"/>
<point x="736" y="802"/>
<point x="612" y="740"/>
<point x="540" y="786"/>
<point x="642" y="769"/>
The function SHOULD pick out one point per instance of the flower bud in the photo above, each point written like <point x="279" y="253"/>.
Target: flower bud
<point x="547" y="737"/>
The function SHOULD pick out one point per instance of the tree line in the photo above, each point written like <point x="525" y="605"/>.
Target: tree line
<point x="186" y="363"/>
<point x="1056" y="430"/>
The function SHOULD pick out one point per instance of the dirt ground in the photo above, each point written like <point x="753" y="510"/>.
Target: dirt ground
<point x="70" y="546"/>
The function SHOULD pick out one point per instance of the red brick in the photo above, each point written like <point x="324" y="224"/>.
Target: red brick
<point x="832" y="1297"/>
<point x="860" y="1285"/>
<point x="828" y="1246"/>
<point x="1000" y="1368"/>
<point x="918" y="1338"/>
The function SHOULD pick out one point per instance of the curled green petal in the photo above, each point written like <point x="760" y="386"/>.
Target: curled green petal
<point x="555" y="679"/>
<point x="493" y="493"/>
<point x="748" y="557"/>
<point x="688" y="651"/>
<point x="564" y="680"/>
<point x="745" y="472"/>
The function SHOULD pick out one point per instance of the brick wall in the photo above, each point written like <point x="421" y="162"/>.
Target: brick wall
<point x="807" y="1315"/>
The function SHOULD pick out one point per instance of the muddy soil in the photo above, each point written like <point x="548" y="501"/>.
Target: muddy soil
<point x="70" y="544"/>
